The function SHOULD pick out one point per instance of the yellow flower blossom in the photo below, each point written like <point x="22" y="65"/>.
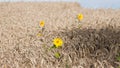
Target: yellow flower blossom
<point x="39" y="34"/>
<point x="80" y="17"/>
<point x="42" y="23"/>
<point x="58" y="42"/>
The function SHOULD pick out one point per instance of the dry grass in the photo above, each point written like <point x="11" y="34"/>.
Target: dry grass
<point x="96" y="44"/>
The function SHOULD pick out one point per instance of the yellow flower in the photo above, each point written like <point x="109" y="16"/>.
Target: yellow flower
<point x="39" y="34"/>
<point x="80" y="17"/>
<point x="58" y="42"/>
<point x="42" y="23"/>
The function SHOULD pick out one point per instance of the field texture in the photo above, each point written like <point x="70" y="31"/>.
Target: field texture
<point x="93" y="42"/>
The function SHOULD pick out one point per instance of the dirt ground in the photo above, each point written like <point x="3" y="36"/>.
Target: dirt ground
<point x="92" y="43"/>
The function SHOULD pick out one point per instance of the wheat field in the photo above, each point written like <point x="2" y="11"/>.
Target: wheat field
<point x="93" y="42"/>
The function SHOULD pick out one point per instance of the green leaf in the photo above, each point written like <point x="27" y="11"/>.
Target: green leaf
<point x="52" y="47"/>
<point x="118" y="58"/>
<point x="67" y="66"/>
<point x="57" y="55"/>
